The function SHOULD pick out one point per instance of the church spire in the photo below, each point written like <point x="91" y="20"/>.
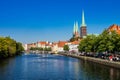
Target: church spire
<point x="83" y="20"/>
<point x="74" y="28"/>
<point x="83" y="28"/>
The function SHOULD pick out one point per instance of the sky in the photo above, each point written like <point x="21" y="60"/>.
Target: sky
<point x="29" y="21"/>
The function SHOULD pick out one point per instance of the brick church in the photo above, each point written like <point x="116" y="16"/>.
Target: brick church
<point x="83" y="28"/>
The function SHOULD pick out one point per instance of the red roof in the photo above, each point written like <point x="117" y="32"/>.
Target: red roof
<point x="114" y="27"/>
<point x="54" y="44"/>
<point x="42" y="43"/>
<point x="31" y="45"/>
<point x="61" y="43"/>
<point x="75" y="42"/>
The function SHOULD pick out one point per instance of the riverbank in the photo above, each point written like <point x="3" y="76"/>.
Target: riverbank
<point x="96" y="60"/>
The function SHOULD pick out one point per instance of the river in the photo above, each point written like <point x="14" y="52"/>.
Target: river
<point x="54" y="67"/>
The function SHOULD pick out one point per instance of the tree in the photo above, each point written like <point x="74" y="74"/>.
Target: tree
<point x="88" y="44"/>
<point x="9" y="47"/>
<point x="74" y="39"/>
<point x="105" y="42"/>
<point x="40" y="49"/>
<point x="66" y="47"/>
<point x="49" y="49"/>
<point x="45" y="49"/>
<point x="31" y="48"/>
<point x="19" y="48"/>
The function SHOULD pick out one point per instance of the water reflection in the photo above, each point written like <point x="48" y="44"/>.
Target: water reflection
<point x="96" y="71"/>
<point x="54" y="67"/>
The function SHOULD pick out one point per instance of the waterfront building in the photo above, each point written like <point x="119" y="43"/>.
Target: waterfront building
<point x="44" y="44"/>
<point x="73" y="46"/>
<point x="114" y="27"/>
<point x="25" y="46"/>
<point x="54" y="47"/>
<point x="31" y="45"/>
<point x="40" y="44"/>
<point x="59" y="46"/>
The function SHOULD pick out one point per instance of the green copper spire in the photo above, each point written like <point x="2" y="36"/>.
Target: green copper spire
<point x="76" y="25"/>
<point x="74" y="28"/>
<point x="83" y="20"/>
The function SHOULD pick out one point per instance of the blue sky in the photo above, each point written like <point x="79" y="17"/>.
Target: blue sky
<point x="37" y="20"/>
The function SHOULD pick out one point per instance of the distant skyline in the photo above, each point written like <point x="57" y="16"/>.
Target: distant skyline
<point x="53" y="20"/>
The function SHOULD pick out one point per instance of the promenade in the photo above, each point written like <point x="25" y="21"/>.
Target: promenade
<point x="96" y="60"/>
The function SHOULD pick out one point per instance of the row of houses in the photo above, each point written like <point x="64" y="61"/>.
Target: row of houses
<point x="55" y="46"/>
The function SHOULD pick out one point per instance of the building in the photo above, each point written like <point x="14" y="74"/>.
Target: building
<point x="44" y="44"/>
<point x="54" y="47"/>
<point x="25" y="46"/>
<point x="83" y="28"/>
<point x="73" y="46"/>
<point x="31" y="45"/>
<point x="59" y="46"/>
<point x="75" y="30"/>
<point x="40" y="44"/>
<point x="114" y="27"/>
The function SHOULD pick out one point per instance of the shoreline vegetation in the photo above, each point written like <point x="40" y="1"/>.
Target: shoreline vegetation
<point x="107" y="43"/>
<point x="9" y="47"/>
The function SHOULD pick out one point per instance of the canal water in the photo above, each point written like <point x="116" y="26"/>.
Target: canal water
<point x="54" y="67"/>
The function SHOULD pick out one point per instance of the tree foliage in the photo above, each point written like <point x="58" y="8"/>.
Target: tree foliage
<point x="40" y="49"/>
<point x="74" y="39"/>
<point x="105" y="42"/>
<point x="9" y="47"/>
<point x="66" y="48"/>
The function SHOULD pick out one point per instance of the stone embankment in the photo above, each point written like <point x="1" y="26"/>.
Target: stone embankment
<point x="96" y="60"/>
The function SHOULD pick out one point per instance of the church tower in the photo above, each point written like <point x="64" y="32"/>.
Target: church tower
<point x="83" y="28"/>
<point x="75" y="30"/>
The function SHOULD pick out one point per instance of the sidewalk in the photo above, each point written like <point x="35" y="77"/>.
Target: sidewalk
<point x="96" y="60"/>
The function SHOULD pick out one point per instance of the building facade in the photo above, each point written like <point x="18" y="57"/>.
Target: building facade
<point x="73" y="46"/>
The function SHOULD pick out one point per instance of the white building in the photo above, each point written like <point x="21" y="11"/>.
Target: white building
<point x="25" y="47"/>
<point x="73" y="46"/>
<point x="58" y="47"/>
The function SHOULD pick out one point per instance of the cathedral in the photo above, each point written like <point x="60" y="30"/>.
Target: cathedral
<point x="83" y="28"/>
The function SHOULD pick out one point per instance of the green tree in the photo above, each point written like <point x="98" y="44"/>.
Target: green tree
<point x="40" y="49"/>
<point x="49" y="49"/>
<point x="9" y="47"/>
<point x="45" y="49"/>
<point x="105" y="42"/>
<point x="66" y="48"/>
<point x="88" y="44"/>
<point x="74" y="39"/>
<point x="31" y="48"/>
<point x="19" y="48"/>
